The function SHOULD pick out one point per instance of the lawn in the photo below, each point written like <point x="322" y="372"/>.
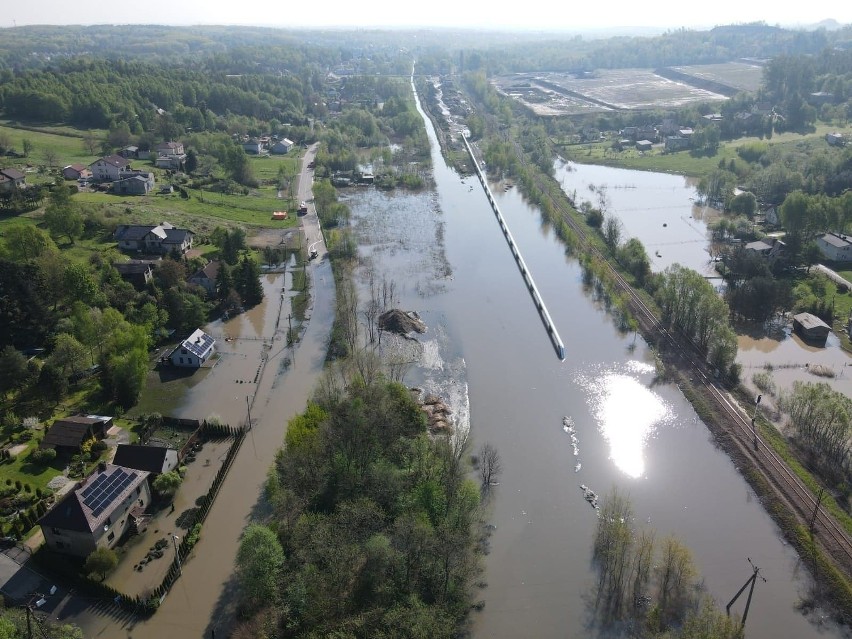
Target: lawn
<point x="739" y="75"/>
<point x="66" y="142"/>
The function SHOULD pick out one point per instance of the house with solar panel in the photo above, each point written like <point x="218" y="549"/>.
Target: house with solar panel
<point x="98" y="512"/>
<point x="194" y="350"/>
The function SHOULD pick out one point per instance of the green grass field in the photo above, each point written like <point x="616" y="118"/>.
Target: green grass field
<point x="682" y="162"/>
<point x="65" y="142"/>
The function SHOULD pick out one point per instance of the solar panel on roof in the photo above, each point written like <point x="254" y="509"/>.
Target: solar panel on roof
<point x="199" y="345"/>
<point x="103" y="490"/>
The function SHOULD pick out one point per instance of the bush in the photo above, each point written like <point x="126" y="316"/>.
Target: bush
<point x="43" y="456"/>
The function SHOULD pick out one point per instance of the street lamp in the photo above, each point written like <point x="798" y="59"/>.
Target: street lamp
<point x="177" y="554"/>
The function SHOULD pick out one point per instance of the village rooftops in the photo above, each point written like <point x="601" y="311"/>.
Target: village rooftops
<point x="114" y="160"/>
<point x="836" y="239"/>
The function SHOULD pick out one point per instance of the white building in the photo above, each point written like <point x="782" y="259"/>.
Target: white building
<point x="194" y="350"/>
<point x="109" y="168"/>
<point x="835" y="247"/>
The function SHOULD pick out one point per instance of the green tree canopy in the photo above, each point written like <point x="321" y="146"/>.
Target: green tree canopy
<point x="101" y="561"/>
<point x="260" y="560"/>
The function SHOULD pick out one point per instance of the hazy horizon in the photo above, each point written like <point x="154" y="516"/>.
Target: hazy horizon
<point x="538" y="15"/>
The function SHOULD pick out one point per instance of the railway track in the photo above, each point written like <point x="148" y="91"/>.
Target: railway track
<point x="833" y="537"/>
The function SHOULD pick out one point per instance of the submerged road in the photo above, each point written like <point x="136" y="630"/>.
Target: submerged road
<point x="202" y="601"/>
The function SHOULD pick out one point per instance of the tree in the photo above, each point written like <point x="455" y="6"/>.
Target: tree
<point x="260" y="559"/>
<point x="27" y="146"/>
<point x="68" y="354"/>
<point x="13" y="369"/>
<point x="191" y="162"/>
<point x="794" y="216"/>
<point x="25" y="242"/>
<point x="247" y="281"/>
<point x="168" y="483"/>
<point x="52" y="382"/>
<point x="50" y="157"/>
<point x="80" y="285"/>
<point x="90" y="143"/>
<point x="101" y="561"/>
<point x="490" y="466"/>
<point x="611" y="231"/>
<point x="744" y="204"/>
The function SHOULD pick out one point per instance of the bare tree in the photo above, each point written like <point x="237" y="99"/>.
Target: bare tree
<point x="90" y="142"/>
<point x="50" y="157"/>
<point x="490" y="466"/>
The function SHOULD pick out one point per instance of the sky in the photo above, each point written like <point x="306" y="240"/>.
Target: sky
<point x="550" y="15"/>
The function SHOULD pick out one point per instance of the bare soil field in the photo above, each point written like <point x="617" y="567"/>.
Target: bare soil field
<point x="738" y="75"/>
<point x="605" y="90"/>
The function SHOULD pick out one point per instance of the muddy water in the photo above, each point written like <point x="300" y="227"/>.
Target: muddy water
<point x="657" y="208"/>
<point x="202" y="599"/>
<point x="486" y="343"/>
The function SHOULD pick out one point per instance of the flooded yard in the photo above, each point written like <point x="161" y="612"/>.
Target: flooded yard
<point x="135" y="576"/>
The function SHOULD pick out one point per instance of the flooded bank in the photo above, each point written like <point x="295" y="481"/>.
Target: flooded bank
<point x="630" y="431"/>
<point x="202" y="599"/>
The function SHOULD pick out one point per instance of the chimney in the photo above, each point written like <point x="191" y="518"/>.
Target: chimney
<point x="102" y="467"/>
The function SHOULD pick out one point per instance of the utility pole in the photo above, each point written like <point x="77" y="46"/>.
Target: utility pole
<point x="177" y="554"/>
<point x="750" y="581"/>
<point x="289" y="330"/>
<point x="248" y="410"/>
<point x="753" y="418"/>
<point x="816" y="510"/>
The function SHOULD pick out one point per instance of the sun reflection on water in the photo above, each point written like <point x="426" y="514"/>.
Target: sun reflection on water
<point x="627" y="412"/>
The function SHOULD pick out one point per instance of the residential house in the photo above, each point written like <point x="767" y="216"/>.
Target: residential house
<point x="194" y="350"/>
<point x="713" y="118"/>
<point x="282" y="146"/>
<point x="643" y="145"/>
<point x="685" y="132"/>
<point x="134" y="183"/>
<point x="129" y="152"/>
<point x="68" y="434"/>
<point x="835" y="247"/>
<point x="170" y="155"/>
<point x="810" y="327"/>
<point x="76" y="172"/>
<point x="206" y="277"/>
<point x="647" y="132"/>
<point x="109" y="168"/>
<point x="137" y="272"/>
<point x="160" y="239"/>
<point x="253" y="146"/>
<point x="155" y="460"/>
<point x="835" y="139"/>
<point x="11" y="180"/>
<point x="770" y="248"/>
<point x="98" y="512"/>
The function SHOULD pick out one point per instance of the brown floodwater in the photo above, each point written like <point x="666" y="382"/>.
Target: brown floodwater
<point x="201" y="600"/>
<point x="486" y="347"/>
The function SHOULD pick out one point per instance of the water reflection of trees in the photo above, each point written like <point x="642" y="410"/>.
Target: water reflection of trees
<point x="651" y="587"/>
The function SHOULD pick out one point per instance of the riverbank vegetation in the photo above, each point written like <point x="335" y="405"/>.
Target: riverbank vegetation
<point x="373" y="524"/>
<point x="648" y="585"/>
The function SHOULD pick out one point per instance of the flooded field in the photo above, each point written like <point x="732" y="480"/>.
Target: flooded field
<point x="659" y="209"/>
<point x="656" y="208"/>
<point x="485" y="344"/>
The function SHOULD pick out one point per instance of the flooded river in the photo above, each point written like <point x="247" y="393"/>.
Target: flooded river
<point x="486" y="347"/>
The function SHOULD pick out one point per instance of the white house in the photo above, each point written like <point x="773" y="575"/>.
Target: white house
<point x="194" y="350"/>
<point x="835" y="247"/>
<point x="161" y="239"/>
<point x="109" y="168"/>
<point x="98" y="511"/>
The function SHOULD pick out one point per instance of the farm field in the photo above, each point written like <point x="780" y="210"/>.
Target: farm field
<point x="738" y="75"/>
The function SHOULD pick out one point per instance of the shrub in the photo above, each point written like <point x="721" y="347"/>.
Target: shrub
<point x="43" y="456"/>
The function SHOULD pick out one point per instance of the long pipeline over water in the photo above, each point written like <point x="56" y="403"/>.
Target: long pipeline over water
<point x="525" y="272"/>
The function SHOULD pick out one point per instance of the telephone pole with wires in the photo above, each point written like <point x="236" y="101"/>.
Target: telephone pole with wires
<point x="750" y="581"/>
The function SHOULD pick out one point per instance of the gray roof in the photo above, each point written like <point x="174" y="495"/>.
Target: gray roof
<point x="176" y="236"/>
<point x="808" y="321"/>
<point x="114" y="160"/>
<point x="133" y="232"/>
<point x="840" y="241"/>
